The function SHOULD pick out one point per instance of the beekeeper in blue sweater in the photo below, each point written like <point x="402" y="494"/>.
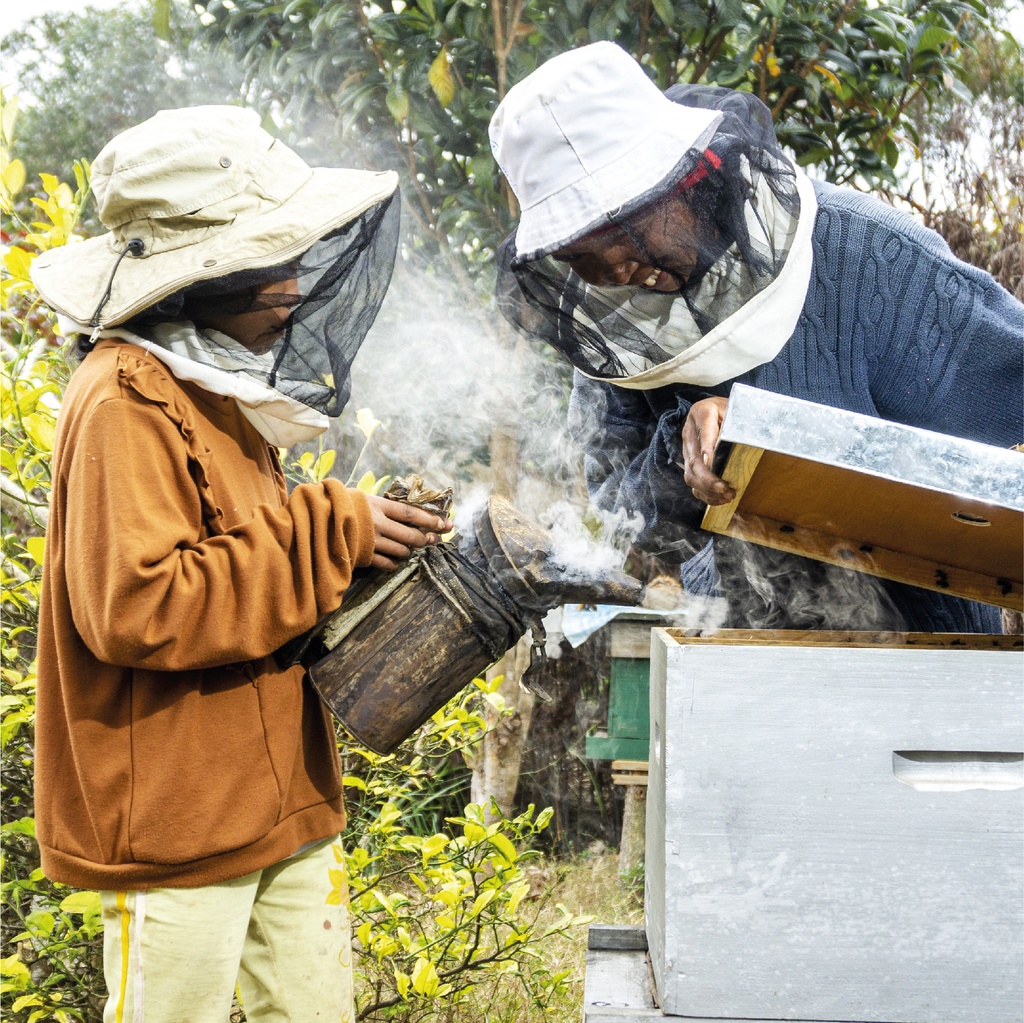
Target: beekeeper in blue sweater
<point x="669" y="248"/>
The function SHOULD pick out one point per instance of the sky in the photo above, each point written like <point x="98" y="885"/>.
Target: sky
<point x="12" y="12"/>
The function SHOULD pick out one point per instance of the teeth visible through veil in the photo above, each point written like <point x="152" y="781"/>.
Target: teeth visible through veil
<point x="652" y="280"/>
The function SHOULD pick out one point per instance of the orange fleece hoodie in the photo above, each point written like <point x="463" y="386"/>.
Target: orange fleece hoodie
<point x="170" y="748"/>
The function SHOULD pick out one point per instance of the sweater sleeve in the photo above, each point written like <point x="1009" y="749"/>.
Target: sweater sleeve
<point x="149" y="590"/>
<point x="944" y="342"/>
<point x="632" y="452"/>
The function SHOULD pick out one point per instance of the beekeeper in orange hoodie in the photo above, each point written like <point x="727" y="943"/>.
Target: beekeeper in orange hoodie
<point x="179" y="769"/>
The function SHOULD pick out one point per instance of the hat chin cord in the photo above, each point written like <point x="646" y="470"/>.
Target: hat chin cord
<point x="135" y="248"/>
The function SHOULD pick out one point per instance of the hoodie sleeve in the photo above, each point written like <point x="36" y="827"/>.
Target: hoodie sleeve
<point x="148" y="587"/>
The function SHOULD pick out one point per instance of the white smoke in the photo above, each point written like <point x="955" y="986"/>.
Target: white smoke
<point x="466" y="404"/>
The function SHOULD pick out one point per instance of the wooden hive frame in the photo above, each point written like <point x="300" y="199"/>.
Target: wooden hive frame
<point x="891" y="500"/>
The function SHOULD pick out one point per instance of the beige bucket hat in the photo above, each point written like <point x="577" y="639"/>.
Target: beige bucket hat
<point x="191" y="195"/>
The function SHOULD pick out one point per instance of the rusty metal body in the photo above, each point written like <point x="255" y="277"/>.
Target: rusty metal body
<point x="404" y="644"/>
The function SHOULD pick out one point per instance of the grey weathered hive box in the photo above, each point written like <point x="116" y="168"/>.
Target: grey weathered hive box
<point x="891" y="500"/>
<point x="834" y="827"/>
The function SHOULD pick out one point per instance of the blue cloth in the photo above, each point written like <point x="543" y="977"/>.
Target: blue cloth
<point x="893" y="326"/>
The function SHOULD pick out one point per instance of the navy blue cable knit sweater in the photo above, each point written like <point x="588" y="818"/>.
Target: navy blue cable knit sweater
<point x="893" y="326"/>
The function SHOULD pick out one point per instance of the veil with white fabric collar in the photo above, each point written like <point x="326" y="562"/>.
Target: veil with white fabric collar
<point x="745" y="241"/>
<point x="336" y="290"/>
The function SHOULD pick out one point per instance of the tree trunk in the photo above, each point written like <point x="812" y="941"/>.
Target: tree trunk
<point x="496" y="765"/>
<point x="632" y="844"/>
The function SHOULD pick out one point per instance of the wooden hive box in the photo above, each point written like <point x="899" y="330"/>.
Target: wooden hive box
<point x="895" y="501"/>
<point x="834" y="827"/>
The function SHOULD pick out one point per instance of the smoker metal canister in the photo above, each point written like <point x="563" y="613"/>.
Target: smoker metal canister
<point x="415" y="638"/>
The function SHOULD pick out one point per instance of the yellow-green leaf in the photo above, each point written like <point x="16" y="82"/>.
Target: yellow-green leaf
<point x="17" y="261"/>
<point x="324" y="464"/>
<point x="440" y="77"/>
<point x="517" y="895"/>
<point x="505" y="847"/>
<point x="14" y="177"/>
<point x="402" y="983"/>
<point x="42" y="429"/>
<point x="81" y="902"/>
<point x="482" y="901"/>
<point x="14" y="968"/>
<point x="162" y="20"/>
<point x="397" y="101"/>
<point x="424" y="978"/>
<point x="7" y="117"/>
<point x="35" y="545"/>
<point x="432" y="846"/>
<point x="473" y="832"/>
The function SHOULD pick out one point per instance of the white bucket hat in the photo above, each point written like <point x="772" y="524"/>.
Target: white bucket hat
<point x="190" y="195"/>
<point x="584" y="135"/>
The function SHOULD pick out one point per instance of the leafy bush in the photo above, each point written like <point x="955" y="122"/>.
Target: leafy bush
<point x="437" y="912"/>
<point x="51" y="960"/>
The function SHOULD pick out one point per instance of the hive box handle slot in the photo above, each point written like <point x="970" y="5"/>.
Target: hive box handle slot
<point x="954" y="771"/>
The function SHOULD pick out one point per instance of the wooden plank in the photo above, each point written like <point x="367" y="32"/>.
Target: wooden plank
<point x="738" y="472"/>
<point x="617" y="987"/>
<point x="629" y="772"/>
<point x="631" y="640"/>
<point x="811" y="638"/>
<point x="629" y="779"/>
<point x="617" y="937"/>
<point x="855" y="508"/>
<point x="931" y="510"/>
<point x="616" y="1014"/>
<point x="875" y="560"/>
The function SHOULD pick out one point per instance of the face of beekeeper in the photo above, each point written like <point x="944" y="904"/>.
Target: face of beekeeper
<point x="259" y="327"/>
<point x="636" y="254"/>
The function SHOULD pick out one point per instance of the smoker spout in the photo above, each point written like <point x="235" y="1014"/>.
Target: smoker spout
<point x="610" y="588"/>
<point x="519" y="554"/>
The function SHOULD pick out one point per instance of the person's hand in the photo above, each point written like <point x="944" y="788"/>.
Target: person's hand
<point x="399" y="529"/>
<point x="700" y="435"/>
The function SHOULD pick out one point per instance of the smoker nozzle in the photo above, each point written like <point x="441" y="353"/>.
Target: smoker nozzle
<point x="520" y="556"/>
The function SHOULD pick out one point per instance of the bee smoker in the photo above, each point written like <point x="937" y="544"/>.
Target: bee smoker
<point x="404" y="643"/>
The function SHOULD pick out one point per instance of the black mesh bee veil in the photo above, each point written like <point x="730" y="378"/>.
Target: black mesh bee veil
<point x="333" y="291"/>
<point x="721" y="224"/>
<point x="341" y="298"/>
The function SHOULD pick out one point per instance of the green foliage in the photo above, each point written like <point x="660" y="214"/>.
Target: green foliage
<point x="442" y="906"/>
<point x="971" y="185"/>
<point x="88" y="74"/>
<point x="412" y="85"/>
<point x="51" y="961"/>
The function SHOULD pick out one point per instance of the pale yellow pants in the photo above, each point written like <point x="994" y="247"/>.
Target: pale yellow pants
<point x="173" y="955"/>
